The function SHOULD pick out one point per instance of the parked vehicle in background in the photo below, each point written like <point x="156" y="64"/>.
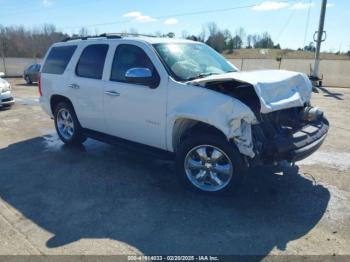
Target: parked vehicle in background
<point x="182" y="98"/>
<point x="31" y="73"/>
<point x="6" y="98"/>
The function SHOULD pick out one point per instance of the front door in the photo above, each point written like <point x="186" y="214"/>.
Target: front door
<point x="132" y="111"/>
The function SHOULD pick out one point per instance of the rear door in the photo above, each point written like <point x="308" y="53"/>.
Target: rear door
<point x="86" y="86"/>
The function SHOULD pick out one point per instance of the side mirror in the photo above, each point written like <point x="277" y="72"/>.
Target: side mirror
<point x="142" y="76"/>
<point x="2" y="74"/>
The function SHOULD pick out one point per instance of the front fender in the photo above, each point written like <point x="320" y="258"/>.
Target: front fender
<point x="227" y="114"/>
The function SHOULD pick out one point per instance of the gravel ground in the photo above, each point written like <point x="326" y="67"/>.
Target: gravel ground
<point x="99" y="199"/>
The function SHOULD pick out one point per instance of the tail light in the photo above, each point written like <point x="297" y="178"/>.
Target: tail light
<point x="39" y="84"/>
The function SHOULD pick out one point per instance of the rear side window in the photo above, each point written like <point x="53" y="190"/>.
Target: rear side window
<point x="58" y="59"/>
<point x="92" y="61"/>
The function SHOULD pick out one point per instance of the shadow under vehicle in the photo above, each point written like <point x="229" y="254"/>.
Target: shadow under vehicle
<point x="98" y="191"/>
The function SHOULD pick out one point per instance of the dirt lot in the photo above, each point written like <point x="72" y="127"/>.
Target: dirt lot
<point x="99" y="199"/>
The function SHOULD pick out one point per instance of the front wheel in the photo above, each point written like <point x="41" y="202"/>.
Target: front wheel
<point x="209" y="163"/>
<point x="67" y="125"/>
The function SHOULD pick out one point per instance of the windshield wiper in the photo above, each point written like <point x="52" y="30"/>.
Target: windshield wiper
<point x="202" y="75"/>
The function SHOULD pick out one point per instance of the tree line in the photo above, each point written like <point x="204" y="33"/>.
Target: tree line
<point x="225" y="40"/>
<point x="18" y="41"/>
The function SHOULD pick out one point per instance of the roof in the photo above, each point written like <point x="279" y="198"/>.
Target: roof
<point x="106" y="38"/>
<point x="159" y="40"/>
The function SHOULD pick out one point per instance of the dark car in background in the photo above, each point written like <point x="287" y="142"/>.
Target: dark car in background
<point x="31" y="73"/>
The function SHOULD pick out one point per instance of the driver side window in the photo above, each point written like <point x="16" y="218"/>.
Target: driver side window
<point x="126" y="57"/>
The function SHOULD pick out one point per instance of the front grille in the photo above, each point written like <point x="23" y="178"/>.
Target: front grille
<point x="7" y="100"/>
<point x="282" y="122"/>
<point x="288" y="117"/>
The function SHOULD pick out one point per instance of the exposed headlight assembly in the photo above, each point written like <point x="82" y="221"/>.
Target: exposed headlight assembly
<point x="311" y="114"/>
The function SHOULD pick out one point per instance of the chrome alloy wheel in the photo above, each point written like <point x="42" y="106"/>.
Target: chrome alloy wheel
<point x="65" y="124"/>
<point x="208" y="168"/>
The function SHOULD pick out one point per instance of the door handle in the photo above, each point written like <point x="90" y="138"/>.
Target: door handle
<point x="74" y="86"/>
<point x="112" y="93"/>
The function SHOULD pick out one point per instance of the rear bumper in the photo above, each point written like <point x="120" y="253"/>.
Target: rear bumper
<point x="45" y="105"/>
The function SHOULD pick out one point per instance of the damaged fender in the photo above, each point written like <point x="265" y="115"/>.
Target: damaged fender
<point x="225" y="113"/>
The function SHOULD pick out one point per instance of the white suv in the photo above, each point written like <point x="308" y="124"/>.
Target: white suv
<point x="181" y="98"/>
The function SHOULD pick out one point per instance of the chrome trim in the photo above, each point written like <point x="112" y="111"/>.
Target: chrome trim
<point x="112" y="93"/>
<point x="65" y="124"/>
<point x="138" y="72"/>
<point x="74" y="86"/>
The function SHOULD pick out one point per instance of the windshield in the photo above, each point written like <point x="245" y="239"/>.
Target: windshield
<point x="188" y="61"/>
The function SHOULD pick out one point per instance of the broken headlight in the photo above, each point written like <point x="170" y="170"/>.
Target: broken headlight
<point x="311" y="114"/>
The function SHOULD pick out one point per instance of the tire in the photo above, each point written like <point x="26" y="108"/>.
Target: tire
<point x="190" y="165"/>
<point x="67" y="125"/>
<point x="28" y="80"/>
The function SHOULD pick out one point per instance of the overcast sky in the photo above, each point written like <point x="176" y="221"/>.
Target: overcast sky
<point x="285" y="20"/>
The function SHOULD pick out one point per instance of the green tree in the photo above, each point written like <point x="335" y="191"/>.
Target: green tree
<point x="237" y="42"/>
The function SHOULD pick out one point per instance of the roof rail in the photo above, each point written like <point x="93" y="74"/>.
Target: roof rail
<point x="88" y="37"/>
<point x="128" y="34"/>
<point x="105" y="35"/>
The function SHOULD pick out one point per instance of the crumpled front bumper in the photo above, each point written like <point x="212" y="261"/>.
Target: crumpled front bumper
<point x="302" y="143"/>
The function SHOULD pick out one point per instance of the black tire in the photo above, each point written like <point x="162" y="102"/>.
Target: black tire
<point x="78" y="137"/>
<point x="220" y="142"/>
<point x="28" y="80"/>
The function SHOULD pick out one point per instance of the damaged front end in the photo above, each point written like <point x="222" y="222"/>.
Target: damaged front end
<point x="286" y="126"/>
<point x="291" y="134"/>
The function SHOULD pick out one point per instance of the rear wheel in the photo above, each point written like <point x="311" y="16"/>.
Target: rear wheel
<point x="67" y="125"/>
<point x="209" y="163"/>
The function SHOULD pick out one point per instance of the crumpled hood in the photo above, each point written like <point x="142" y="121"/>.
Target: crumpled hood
<point x="276" y="89"/>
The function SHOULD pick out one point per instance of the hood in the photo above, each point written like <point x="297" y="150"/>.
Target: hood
<point x="276" y="89"/>
<point x="3" y="82"/>
<point x="4" y="85"/>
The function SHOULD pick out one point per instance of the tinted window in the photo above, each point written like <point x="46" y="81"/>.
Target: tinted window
<point x="126" y="57"/>
<point x="91" y="61"/>
<point x="31" y="68"/>
<point x="58" y="59"/>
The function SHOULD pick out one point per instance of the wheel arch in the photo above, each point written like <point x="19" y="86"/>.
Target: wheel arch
<point x="185" y="126"/>
<point x="56" y="99"/>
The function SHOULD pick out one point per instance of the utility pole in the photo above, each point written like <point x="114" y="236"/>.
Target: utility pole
<point x="2" y="50"/>
<point x="319" y="40"/>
